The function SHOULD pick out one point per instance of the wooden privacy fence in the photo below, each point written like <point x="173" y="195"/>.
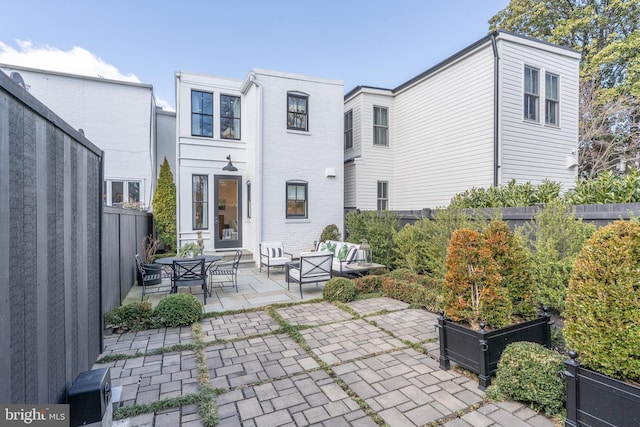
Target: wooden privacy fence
<point x="50" y="240"/>
<point x="597" y="214"/>
<point x="123" y="231"/>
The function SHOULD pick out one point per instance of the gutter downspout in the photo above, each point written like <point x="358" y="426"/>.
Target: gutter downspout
<point x="259" y="158"/>
<point x="496" y="110"/>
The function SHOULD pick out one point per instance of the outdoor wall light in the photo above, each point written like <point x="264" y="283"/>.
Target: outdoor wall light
<point x="229" y="166"/>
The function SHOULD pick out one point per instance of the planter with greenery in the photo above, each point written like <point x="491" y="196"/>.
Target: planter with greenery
<point x="149" y="247"/>
<point x="603" y="325"/>
<point x="488" y="300"/>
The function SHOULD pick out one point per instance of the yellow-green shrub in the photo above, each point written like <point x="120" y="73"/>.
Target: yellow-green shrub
<point x="603" y="302"/>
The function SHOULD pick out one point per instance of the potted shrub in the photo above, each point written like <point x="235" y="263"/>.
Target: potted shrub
<point x="488" y="300"/>
<point x="602" y="323"/>
<point x="189" y="250"/>
<point x="149" y="248"/>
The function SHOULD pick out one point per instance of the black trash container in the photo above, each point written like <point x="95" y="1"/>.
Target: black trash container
<point x="90" y="398"/>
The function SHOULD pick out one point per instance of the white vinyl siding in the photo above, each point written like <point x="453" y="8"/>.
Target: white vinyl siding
<point x="533" y="151"/>
<point x="350" y="185"/>
<point x="446" y="127"/>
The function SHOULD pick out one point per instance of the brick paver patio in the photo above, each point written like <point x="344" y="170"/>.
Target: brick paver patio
<point x="353" y="370"/>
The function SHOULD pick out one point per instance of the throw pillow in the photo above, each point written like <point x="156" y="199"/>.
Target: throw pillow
<point x="342" y="253"/>
<point x="331" y="247"/>
<point x="352" y="256"/>
<point x="276" y="252"/>
<point x="323" y="247"/>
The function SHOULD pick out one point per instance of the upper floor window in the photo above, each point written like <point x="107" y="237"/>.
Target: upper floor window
<point x="348" y="130"/>
<point x="229" y="117"/>
<point x="380" y="126"/>
<point x="201" y="113"/>
<point x="297" y="200"/>
<point x="297" y="112"/>
<point x="531" y="93"/>
<point x="383" y="195"/>
<point x="200" y="200"/>
<point x="551" y="100"/>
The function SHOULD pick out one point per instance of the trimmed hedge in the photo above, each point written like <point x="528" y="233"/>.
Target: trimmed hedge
<point x="530" y="373"/>
<point x="603" y="302"/>
<point x="339" y="289"/>
<point x="178" y="310"/>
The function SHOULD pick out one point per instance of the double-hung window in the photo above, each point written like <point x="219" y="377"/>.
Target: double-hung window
<point x="380" y="126"/>
<point x="229" y="117"/>
<point x="297" y="200"/>
<point x="297" y="112"/>
<point x="551" y="100"/>
<point x="531" y="93"/>
<point x="200" y="198"/>
<point x="348" y="130"/>
<point x="383" y="195"/>
<point x="201" y="113"/>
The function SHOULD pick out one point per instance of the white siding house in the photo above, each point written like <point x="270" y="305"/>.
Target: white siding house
<point x="258" y="159"/>
<point x="464" y="123"/>
<point x="117" y="116"/>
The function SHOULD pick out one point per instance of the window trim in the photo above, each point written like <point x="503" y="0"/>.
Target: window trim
<point x="348" y="130"/>
<point x="305" y="97"/>
<point x="527" y="96"/>
<point x="107" y="192"/>
<point x="202" y="115"/>
<point x="205" y="203"/>
<point x="554" y="101"/>
<point x="306" y="200"/>
<point x="382" y="198"/>
<point x="380" y="126"/>
<point x="238" y="120"/>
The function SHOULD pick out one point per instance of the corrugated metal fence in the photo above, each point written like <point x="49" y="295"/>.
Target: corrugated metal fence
<point x="50" y="237"/>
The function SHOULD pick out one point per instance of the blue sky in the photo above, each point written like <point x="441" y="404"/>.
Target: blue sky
<point x="362" y="42"/>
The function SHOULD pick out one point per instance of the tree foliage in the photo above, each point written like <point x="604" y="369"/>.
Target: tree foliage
<point x="607" y="34"/>
<point x="164" y="206"/>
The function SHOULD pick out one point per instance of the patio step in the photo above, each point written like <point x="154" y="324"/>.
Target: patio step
<point x="246" y="260"/>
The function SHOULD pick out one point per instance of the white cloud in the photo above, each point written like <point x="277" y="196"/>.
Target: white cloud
<point x="74" y="61"/>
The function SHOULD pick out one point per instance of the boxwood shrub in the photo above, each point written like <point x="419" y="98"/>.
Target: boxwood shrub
<point x="178" y="310"/>
<point x="602" y="314"/>
<point x="131" y="317"/>
<point x="530" y="373"/>
<point x="339" y="289"/>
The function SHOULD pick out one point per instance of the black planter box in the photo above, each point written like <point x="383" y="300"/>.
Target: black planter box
<point x="594" y="399"/>
<point x="150" y="269"/>
<point x="480" y="351"/>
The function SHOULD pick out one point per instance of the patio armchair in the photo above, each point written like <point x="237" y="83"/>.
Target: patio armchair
<point x="226" y="271"/>
<point x="272" y="254"/>
<point x="189" y="273"/>
<point x="147" y="277"/>
<point x="313" y="267"/>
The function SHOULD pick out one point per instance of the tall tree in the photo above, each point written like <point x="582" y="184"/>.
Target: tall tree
<point x="607" y="34"/>
<point x="164" y="207"/>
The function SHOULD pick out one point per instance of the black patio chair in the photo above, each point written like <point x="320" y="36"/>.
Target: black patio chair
<point x="227" y="271"/>
<point x="313" y="267"/>
<point x="146" y="276"/>
<point x="189" y="273"/>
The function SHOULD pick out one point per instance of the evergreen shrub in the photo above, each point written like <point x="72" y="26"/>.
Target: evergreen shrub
<point x="530" y="373"/>
<point x="178" y="310"/>
<point x="378" y="229"/>
<point x="368" y="284"/>
<point x="136" y="316"/>
<point x="330" y="232"/>
<point x="164" y="207"/>
<point x="603" y="302"/>
<point x="486" y="279"/>
<point x="339" y="289"/>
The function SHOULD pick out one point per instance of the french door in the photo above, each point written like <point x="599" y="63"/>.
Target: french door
<point x="228" y="211"/>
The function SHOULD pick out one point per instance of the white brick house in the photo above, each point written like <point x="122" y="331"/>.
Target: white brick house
<point x="283" y="136"/>
<point x="504" y="108"/>
<point x="119" y="117"/>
